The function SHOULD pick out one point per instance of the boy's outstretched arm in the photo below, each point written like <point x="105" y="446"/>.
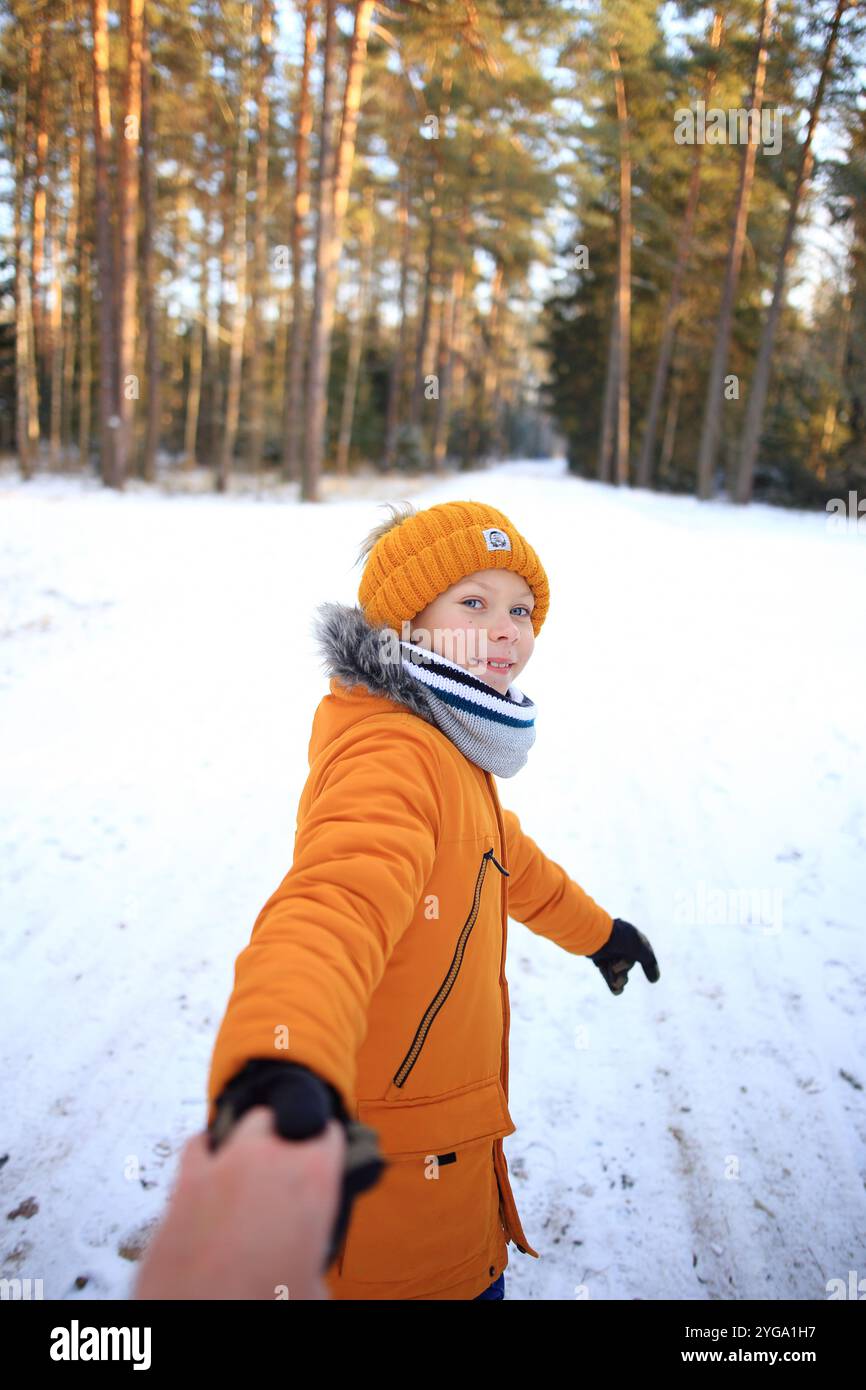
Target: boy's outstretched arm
<point x="543" y="897"/>
<point x="369" y="825"/>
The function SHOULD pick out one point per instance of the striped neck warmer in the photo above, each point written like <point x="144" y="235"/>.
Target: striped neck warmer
<point x="494" y="731"/>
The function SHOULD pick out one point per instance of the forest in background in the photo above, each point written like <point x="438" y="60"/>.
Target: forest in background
<point x="294" y="239"/>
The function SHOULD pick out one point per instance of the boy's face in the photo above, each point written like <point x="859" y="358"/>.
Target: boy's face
<point x="482" y="619"/>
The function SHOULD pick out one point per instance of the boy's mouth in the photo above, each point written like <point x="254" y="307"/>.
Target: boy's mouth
<point x="499" y="666"/>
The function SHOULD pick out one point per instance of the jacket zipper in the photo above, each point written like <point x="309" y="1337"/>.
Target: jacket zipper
<point x="453" y="971"/>
<point x="512" y="1219"/>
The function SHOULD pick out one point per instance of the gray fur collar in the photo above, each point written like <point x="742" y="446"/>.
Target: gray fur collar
<point x="493" y="731"/>
<point x="353" y="649"/>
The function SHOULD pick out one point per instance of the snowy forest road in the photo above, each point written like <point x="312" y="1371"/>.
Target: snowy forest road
<point x="700" y="769"/>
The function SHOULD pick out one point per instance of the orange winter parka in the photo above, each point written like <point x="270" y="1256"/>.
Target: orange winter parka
<point x="379" y="962"/>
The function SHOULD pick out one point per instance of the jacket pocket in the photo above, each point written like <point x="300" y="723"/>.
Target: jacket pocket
<point x="436" y="1206"/>
<point x="402" y="1073"/>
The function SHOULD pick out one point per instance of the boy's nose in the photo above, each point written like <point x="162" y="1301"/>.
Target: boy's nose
<point x="504" y="629"/>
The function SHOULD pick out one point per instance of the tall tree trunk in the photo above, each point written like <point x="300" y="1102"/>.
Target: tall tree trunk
<point x="395" y="375"/>
<point x="670" y="433"/>
<point x="315" y="415"/>
<point x="425" y="323"/>
<point x="443" y="365"/>
<point x="471" y="450"/>
<point x="624" y="293"/>
<point x="671" y="314"/>
<point x="41" y="55"/>
<point x="292" y="405"/>
<point x="23" y="364"/>
<point x="239" y="265"/>
<point x="350" y="389"/>
<point x="200" y="337"/>
<point x="438" y="298"/>
<point x="261" y="279"/>
<point x="276" y="392"/>
<point x="85" y="376"/>
<point x="822" y="447"/>
<point x="193" y="395"/>
<point x="492" y="361"/>
<point x="128" y="192"/>
<point x="429" y="327"/>
<point x="449" y="337"/>
<point x="148" y="264"/>
<point x="108" y="417"/>
<point x="217" y="331"/>
<point x="329" y="235"/>
<point x="514" y="338"/>
<point x="758" y="396"/>
<point x="712" y="422"/>
<point x="72" y="313"/>
<point x="35" y="141"/>
<point x="462" y="331"/>
<point x="83" y="317"/>
<point x="70" y="350"/>
<point x="54" y="338"/>
<point x="351" y="106"/>
<point x="604" y="467"/>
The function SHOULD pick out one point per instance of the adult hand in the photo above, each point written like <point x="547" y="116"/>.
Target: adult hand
<point x="250" y="1221"/>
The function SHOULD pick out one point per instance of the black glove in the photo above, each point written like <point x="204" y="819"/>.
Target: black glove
<point x="624" y="946"/>
<point x="303" y="1103"/>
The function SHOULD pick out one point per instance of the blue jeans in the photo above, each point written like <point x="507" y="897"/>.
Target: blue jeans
<point x="494" y="1290"/>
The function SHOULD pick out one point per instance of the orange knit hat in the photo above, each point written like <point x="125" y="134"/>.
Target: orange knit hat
<point x="418" y="559"/>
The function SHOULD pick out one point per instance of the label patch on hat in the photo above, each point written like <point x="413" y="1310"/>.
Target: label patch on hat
<point x="496" y="539"/>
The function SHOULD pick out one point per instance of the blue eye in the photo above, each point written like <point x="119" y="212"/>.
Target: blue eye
<point x="517" y="605"/>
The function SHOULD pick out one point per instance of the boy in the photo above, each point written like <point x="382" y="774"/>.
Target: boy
<point x="373" y="987"/>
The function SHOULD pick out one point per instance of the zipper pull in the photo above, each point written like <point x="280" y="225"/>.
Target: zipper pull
<point x="491" y="855"/>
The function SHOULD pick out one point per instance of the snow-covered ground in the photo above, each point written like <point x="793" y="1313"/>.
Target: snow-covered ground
<point x="700" y="768"/>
